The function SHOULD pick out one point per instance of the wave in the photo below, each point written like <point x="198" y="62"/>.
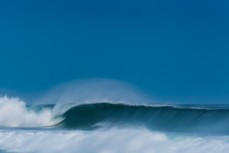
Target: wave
<point x="93" y="118"/>
<point x="186" y="119"/>
<point x="177" y="118"/>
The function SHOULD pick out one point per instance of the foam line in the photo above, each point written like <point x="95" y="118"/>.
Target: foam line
<point x="110" y="141"/>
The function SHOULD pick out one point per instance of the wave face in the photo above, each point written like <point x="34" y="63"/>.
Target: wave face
<point x="186" y="119"/>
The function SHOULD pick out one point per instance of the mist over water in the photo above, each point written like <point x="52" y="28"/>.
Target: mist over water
<point x="89" y="91"/>
<point x="109" y="116"/>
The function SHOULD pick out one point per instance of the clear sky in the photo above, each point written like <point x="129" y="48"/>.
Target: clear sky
<point x="170" y="48"/>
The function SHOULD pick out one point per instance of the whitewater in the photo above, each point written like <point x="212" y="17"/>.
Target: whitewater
<point x="96" y="119"/>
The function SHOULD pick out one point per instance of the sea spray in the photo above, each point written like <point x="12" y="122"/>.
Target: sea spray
<point x="88" y="91"/>
<point x="15" y="113"/>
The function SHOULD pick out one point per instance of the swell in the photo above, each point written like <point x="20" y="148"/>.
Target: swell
<point x="162" y="118"/>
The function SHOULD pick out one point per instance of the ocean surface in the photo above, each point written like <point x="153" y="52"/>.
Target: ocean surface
<point x="104" y="127"/>
<point x="176" y="52"/>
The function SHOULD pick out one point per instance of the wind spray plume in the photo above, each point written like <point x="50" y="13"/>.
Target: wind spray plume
<point x="90" y="91"/>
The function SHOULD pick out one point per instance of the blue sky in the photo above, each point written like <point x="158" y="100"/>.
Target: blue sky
<point x="175" y="49"/>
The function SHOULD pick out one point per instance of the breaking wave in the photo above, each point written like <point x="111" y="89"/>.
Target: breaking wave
<point x="15" y="113"/>
<point x="183" y="119"/>
<point x="109" y="117"/>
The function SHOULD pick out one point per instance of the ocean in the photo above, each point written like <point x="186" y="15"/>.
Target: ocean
<point x="60" y="60"/>
<point x="104" y="127"/>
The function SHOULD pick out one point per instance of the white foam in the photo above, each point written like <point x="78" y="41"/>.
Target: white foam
<point x="110" y="141"/>
<point x="14" y="113"/>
